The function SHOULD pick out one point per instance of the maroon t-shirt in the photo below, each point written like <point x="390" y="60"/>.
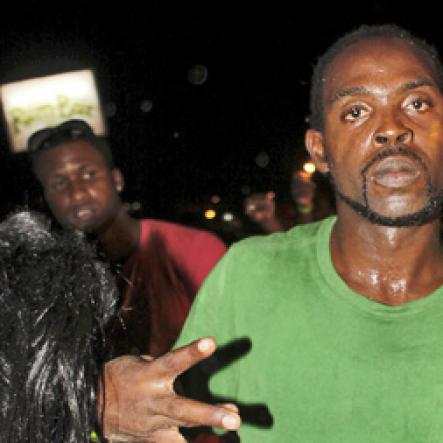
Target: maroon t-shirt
<point x="160" y="280"/>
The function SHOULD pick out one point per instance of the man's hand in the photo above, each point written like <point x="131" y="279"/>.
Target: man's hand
<point x="139" y="402"/>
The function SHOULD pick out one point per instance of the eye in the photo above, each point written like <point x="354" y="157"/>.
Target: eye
<point x="58" y="185"/>
<point x="418" y="104"/>
<point x="89" y="174"/>
<point x="355" y="113"/>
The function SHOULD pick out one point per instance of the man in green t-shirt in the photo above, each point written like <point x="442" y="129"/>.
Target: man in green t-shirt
<point x="345" y="316"/>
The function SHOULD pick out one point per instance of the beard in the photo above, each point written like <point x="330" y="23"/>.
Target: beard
<point x="430" y="210"/>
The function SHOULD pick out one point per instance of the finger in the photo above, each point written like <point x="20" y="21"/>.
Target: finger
<point x="166" y="436"/>
<point x="230" y="406"/>
<point x="169" y="435"/>
<point x="175" y="362"/>
<point x="141" y="428"/>
<point x="194" y="413"/>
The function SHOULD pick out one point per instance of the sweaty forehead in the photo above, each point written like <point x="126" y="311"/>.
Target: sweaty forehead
<point x="377" y="59"/>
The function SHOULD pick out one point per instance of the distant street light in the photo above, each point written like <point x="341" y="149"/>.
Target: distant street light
<point x="210" y="214"/>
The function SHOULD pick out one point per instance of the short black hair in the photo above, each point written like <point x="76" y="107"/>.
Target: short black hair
<point x="68" y="131"/>
<point x="316" y="119"/>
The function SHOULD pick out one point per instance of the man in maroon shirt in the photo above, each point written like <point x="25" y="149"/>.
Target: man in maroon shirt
<point x="162" y="264"/>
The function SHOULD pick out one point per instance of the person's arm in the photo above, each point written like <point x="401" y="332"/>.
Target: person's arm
<point x="137" y="401"/>
<point x="260" y="208"/>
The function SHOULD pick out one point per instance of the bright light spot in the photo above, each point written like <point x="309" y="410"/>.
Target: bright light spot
<point x="30" y="105"/>
<point x="215" y="199"/>
<point x="210" y="214"/>
<point x="228" y="216"/>
<point x="309" y="167"/>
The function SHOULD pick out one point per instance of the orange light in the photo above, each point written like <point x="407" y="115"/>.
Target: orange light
<point x="309" y="167"/>
<point x="210" y="214"/>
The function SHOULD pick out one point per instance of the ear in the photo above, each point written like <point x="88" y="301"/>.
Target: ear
<point x="316" y="148"/>
<point x="119" y="180"/>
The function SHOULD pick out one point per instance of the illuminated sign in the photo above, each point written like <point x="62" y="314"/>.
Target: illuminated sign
<point x="33" y="104"/>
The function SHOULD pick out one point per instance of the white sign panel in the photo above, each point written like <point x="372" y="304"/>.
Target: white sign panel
<point x="30" y="105"/>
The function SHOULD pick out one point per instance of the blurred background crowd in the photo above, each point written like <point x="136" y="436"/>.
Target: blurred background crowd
<point x="205" y="103"/>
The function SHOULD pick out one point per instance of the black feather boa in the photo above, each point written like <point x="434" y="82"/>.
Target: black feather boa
<point x="55" y="300"/>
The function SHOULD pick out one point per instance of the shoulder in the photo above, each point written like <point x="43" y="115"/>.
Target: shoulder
<point x="171" y="229"/>
<point x="196" y="249"/>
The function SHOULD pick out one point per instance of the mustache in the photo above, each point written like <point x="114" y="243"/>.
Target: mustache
<point x="391" y="151"/>
<point x="430" y="210"/>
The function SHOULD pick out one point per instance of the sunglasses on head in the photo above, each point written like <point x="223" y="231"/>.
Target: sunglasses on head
<point x="69" y="130"/>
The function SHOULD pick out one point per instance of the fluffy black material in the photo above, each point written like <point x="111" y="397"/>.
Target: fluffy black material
<point x="55" y="299"/>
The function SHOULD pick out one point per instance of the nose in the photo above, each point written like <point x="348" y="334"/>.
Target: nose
<point x="78" y="191"/>
<point x="391" y="132"/>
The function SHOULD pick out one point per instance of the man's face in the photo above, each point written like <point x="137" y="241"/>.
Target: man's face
<point x="383" y="132"/>
<point x="79" y="187"/>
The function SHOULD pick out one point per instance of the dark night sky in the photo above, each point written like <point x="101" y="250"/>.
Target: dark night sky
<point x="198" y="140"/>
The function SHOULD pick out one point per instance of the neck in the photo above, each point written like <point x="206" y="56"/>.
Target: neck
<point x="388" y="264"/>
<point x="120" y="237"/>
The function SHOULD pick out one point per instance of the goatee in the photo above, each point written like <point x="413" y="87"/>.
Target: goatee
<point x="429" y="211"/>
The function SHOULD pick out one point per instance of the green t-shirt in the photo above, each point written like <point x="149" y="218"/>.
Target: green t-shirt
<point x="331" y="365"/>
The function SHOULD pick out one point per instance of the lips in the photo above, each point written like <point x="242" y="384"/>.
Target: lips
<point x="83" y="213"/>
<point x="395" y="172"/>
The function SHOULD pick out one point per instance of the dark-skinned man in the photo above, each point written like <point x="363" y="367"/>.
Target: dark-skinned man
<point x="161" y="265"/>
<point x="345" y="316"/>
